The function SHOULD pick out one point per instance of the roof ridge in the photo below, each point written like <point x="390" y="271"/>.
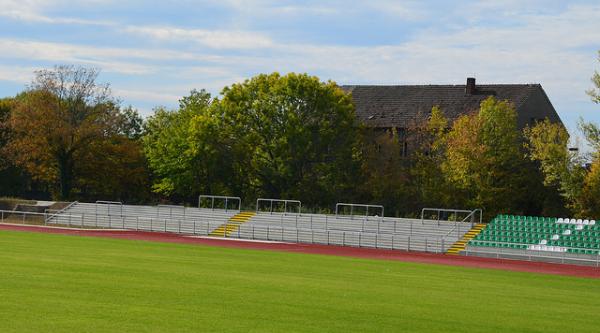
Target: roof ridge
<point x="441" y="85"/>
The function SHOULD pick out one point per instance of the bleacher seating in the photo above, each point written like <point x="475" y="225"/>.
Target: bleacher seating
<point x="548" y="234"/>
<point x="392" y="233"/>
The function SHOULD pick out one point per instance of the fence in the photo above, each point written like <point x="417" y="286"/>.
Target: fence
<point x="506" y="250"/>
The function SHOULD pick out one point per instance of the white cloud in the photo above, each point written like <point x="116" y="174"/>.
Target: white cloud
<point x="121" y="60"/>
<point x="407" y="10"/>
<point x="548" y="48"/>
<point x="219" y="39"/>
<point x="148" y="95"/>
<point x="17" y="74"/>
<point x="32" y="11"/>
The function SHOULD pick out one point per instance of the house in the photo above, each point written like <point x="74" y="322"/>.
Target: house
<point x="401" y="106"/>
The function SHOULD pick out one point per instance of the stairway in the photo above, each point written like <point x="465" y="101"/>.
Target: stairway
<point x="232" y="225"/>
<point x="462" y="243"/>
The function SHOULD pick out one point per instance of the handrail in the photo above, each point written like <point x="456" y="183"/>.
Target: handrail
<point x="341" y="204"/>
<point x="285" y="205"/>
<point x="109" y="202"/>
<point x="170" y="206"/>
<point x="450" y="210"/>
<point x="60" y="211"/>
<point x="219" y="197"/>
<point x="473" y="213"/>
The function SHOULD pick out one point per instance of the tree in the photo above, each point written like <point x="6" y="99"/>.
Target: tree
<point x="293" y="136"/>
<point x="274" y="136"/>
<point x="546" y="143"/>
<point x="432" y="189"/>
<point x="595" y="92"/>
<point x="178" y="150"/>
<point x="6" y="106"/>
<point x="386" y="170"/>
<point x="484" y="160"/>
<point x="66" y="123"/>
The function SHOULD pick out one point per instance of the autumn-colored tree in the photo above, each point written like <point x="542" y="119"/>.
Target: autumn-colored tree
<point x="63" y="125"/>
<point x="484" y="159"/>
<point x="13" y="180"/>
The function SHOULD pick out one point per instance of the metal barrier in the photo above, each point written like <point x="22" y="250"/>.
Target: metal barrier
<point x="59" y="211"/>
<point x="285" y="205"/>
<point x="339" y="204"/>
<point x="109" y="203"/>
<point x="226" y="200"/>
<point x="471" y="214"/>
<point x="504" y="250"/>
<point x="170" y="208"/>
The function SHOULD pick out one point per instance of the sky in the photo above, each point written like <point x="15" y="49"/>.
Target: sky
<point x="154" y="52"/>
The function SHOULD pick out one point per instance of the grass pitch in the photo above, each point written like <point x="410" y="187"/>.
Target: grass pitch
<point x="54" y="283"/>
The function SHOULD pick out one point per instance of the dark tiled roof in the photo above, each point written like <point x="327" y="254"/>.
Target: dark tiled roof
<point x="399" y="106"/>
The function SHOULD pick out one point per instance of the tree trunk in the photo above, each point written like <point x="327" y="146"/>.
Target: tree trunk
<point x="65" y="169"/>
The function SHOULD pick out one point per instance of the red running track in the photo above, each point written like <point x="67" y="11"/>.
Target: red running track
<point x="369" y="253"/>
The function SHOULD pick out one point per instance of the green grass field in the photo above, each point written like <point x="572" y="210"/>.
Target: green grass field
<point x="53" y="283"/>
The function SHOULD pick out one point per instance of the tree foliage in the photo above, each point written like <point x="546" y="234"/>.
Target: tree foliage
<point x="595" y="92"/>
<point x="67" y="123"/>
<point x="484" y="160"/>
<point x="430" y="183"/>
<point x="274" y="136"/>
<point x="173" y="147"/>
<point x="296" y="136"/>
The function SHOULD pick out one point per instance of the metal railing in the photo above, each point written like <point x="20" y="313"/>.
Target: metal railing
<point x="365" y="206"/>
<point x="110" y="203"/>
<point x="506" y="250"/>
<point x="59" y="211"/>
<point x="225" y="199"/>
<point x="170" y="208"/>
<point x="285" y="203"/>
<point x="454" y="214"/>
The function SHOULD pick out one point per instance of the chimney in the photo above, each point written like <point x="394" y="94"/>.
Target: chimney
<point x="470" y="88"/>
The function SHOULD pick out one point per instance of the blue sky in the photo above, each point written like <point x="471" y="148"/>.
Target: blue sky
<point x="154" y="52"/>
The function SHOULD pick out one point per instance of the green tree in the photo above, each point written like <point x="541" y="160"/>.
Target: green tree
<point x="595" y="92"/>
<point x="546" y="144"/>
<point x="589" y="199"/>
<point x="386" y="170"/>
<point x="293" y="136"/>
<point x="432" y="189"/>
<point x="178" y="150"/>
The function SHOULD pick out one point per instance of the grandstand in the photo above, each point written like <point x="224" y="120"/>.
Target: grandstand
<point x="429" y="235"/>
<point x="559" y="240"/>
<point x="564" y="240"/>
